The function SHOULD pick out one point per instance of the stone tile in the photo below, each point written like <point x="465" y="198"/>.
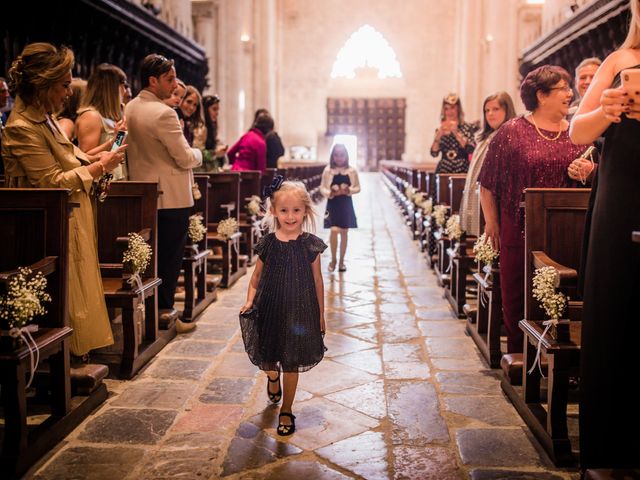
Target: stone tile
<point x="194" y="440"/>
<point x="90" y="463"/>
<point x="338" y="344"/>
<point x="128" y="426"/>
<point x="495" y="411"/>
<point x="368" y="333"/>
<point x="220" y="332"/>
<point x="191" y="348"/>
<point x="297" y="469"/>
<point x="177" y="369"/>
<point x="366" y="311"/>
<point x="320" y="422"/>
<point x="368" y="399"/>
<point x="441" y="312"/>
<point x="337" y="320"/>
<point x="479" y="474"/>
<point x="459" y="364"/>
<point x="236" y="365"/>
<point x="364" y="454"/>
<point x="406" y="370"/>
<point x="252" y="448"/>
<point x="426" y="462"/>
<point x="391" y="309"/>
<point x="414" y="413"/>
<point x="367" y="360"/>
<point x="187" y="464"/>
<point x="442" y="328"/>
<point x="396" y="329"/>
<point x="503" y="447"/>
<point x="238" y="347"/>
<point x="451" y="347"/>
<point x="208" y="418"/>
<point x="329" y="376"/>
<point x="155" y="395"/>
<point x="228" y="390"/>
<point x="486" y="382"/>
<point x="406" y="352"/>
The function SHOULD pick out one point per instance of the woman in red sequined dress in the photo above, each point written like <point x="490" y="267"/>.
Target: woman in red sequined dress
<point x="531" y="151"/>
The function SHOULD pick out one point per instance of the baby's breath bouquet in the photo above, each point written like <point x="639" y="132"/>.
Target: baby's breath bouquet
<point x="484" y="250"/>
<point x="426" y="206"/>
<point x="453" y="230"/>
<point x="440" y="214"/>
<point x="418" y="198"/>
<point x="409" y="192"/>
<point x="227" y="227"/>
<point x="197" y="230"/>
<point x="24" y="298"/>
<point x="545" y="281"/>
<point x="137" y="256"/>
<point x="253" y="206"/>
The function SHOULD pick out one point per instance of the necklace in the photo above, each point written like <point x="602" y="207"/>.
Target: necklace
<point x="552" y="139"/>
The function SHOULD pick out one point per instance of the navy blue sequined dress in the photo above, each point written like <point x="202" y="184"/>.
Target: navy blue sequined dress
<point x="285" y="335"/>
<point x="340" y="212"/>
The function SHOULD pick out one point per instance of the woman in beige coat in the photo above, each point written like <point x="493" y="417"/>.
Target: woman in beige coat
<point x="38" y="155"/>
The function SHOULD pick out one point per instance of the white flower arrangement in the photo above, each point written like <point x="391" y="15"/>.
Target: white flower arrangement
<point x="545" y="281"/>
<point x="409" y="192"/>
<point x="440" y="214"/>
<point x="197" y="230"/>
<point x="453" y="230"/>
<point x="227" y="227"/>
<point x="253" y="206"/>
<point x="484" y="251"/>
<point x="24" y="298"/>
<point x="418" y="198"/>
<point x="426" y="206"/>
<point x="137" y="256"/>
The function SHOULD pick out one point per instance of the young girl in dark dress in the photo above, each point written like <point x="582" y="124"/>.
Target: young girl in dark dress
<point x="282" y="321"/>
<point x="339" y="182"/>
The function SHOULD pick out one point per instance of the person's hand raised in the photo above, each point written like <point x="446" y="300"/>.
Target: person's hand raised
<point x="614" y="102"/>
<point x="111" y="160"/>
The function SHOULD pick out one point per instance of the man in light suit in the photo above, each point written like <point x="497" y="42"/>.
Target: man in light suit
<point x="158" y="152"/>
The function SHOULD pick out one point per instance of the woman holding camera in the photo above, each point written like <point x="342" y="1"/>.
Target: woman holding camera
<point x="38" y="155"/>
<point x="609" y="416"/>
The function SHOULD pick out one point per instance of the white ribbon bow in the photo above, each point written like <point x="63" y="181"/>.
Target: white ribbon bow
<point x="548" y="324"/>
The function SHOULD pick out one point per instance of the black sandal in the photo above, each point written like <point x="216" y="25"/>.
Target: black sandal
<point x="274" y="397"/>
<point x="284" y="430"/>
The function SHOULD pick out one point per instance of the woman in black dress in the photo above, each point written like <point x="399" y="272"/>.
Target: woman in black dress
<point x="609" y="414"/>
<point x="339" y="182"/>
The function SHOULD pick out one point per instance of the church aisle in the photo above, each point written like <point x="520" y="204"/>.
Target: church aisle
<point x="401" y="393"/>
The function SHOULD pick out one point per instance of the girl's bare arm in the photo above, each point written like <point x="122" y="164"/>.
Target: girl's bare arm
<point x="253" y="286"/>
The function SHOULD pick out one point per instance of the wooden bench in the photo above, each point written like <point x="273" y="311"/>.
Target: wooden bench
<point x="554" y="227"/>
<point x="35" y="223"/>
<point x="130" y="207"/>
<point x="449" y="193"/>
<point x="224" y="202"/>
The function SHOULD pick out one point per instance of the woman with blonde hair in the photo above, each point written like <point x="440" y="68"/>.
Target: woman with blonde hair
<point x="100" y="113"/>
<point x="38" y="155"/>
<point x="609" y="416"/>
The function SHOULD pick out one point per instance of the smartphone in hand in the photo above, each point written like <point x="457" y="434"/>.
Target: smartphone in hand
<point x="119" y="140"/>
<point x="631" y="83"/>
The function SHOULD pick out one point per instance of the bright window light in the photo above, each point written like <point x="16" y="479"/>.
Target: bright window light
<point x="366" y="48"/>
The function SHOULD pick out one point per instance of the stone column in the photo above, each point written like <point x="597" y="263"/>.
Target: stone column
<point x="205" y="19"/>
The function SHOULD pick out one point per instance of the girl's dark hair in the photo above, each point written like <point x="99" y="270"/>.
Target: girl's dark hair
<point x="332" y="163"/>
<point x="264" y="123"/>
<point x="260" y="111"/>
<point x="212" y="127"/>
<point x="542" y="79"/>
<point x="505" y="101"/>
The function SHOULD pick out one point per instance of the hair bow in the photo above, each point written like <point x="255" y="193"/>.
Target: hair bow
<point x="274" y="187"/>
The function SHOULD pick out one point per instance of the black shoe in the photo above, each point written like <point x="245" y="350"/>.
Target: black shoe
<point x="274" y="397"/>
<point x="342" y="268"/>
<point x="284" y="430"/>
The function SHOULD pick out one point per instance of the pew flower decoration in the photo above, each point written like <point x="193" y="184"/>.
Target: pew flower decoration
<point x="453" y="229"/>
<point x="24" y="298"/>
<point x="137" y="256"/>
<point x="484" y="251"/>
<point x="426" y="206"/>
<point x="409" y="192"/>
<point x="440" y="214"/>
<point x="197" y="230"/>
<point x="418" y="198"/>
<point x="227" y="227"/>
<point x="545" y="281"/>
<point x="253" y="206"/>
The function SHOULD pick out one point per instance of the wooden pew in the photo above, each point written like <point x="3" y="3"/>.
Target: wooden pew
<point x="554" y="227"/>
<point x="35" y="225"/>
<point x="199" y="292"/>
<point x="448" y="192"/>
<point x="130" y="207"/>
<point x="224" y="202"/>
<point x="250" y="183"/>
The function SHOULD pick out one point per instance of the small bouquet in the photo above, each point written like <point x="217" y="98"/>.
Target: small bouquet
<point x="253" y="206"/>
<point x="197" y="230"/>
<point x="545" y="281"/>
<point x="453" y="230"/>
<point x="440" y="214"/>
<point x="137" y="256"/>
<point x="24" y="298"/>
<point x="418" y="198"/>
<point x="426" y="206"/>
<point x="484" y="250"/>
<point x="227" y="227"/>
<point x="409" y="192"/>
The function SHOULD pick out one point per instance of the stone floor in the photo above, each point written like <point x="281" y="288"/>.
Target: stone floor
<point x="401" y="394"/>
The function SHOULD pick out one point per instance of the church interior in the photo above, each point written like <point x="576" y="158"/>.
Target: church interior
<point x="473" y="273"/>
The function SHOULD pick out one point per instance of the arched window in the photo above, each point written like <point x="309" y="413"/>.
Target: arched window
<point x="366" y="48"/>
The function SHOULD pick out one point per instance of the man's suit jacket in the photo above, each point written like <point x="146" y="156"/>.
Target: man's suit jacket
<point x="158" y="151"/>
